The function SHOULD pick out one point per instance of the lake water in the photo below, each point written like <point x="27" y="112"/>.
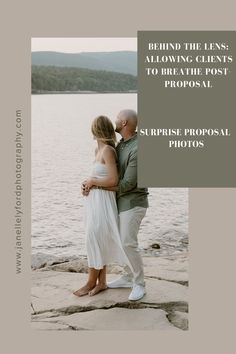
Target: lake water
<point x="62" y="155"/>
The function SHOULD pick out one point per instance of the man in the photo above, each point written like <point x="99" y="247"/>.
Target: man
<point x="132" y="203"/>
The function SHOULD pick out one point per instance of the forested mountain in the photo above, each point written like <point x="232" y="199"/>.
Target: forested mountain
<point x="121" y="61"/>
<point x="54" y="78"/>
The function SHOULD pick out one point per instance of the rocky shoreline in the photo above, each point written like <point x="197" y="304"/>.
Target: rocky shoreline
<point x="54" y="307"/>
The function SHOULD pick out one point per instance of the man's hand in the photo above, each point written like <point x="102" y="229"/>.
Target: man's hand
<point x="89" y="184"/>
<point x="84" y="189"/>
<point x="112" y="189"/>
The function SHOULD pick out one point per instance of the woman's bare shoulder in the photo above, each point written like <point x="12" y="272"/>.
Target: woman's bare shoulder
<point x="110" y="148"/>
<point x="109" y="152"/>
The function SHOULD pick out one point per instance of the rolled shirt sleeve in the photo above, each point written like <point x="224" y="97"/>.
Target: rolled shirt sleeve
<point x="128" y="194"/>
<point x="129" y="180"/>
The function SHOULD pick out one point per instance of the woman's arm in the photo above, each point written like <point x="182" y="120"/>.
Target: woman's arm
<point x="111" y="180"/>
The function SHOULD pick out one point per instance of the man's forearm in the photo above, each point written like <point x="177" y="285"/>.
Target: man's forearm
<point x="113" y="189"/>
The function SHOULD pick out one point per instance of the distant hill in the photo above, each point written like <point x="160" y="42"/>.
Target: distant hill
<point x="121" y="61"/>
<point x="54" y="78"/>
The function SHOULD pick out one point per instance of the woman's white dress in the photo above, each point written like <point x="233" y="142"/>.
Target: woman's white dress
<point x="103" y="242"/>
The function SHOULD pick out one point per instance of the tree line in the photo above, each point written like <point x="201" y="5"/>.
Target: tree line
<point x="53" y="78"/>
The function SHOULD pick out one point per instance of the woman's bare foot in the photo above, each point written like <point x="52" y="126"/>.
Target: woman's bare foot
<point x="84" y="290"/>
<point x="99" y="287"/>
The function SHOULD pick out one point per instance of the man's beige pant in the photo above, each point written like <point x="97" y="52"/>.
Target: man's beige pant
<point x="129" y="223"/>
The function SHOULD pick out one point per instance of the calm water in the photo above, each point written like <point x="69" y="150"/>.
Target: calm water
<point x="62" y="155"/>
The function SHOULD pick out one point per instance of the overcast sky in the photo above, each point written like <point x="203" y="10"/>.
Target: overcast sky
<point x="77" y="45"/>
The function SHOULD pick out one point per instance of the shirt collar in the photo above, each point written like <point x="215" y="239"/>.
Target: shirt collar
<point x="127" y="140"/>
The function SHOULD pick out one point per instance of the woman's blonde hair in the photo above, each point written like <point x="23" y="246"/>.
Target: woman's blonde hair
<point x="103" y="130"/>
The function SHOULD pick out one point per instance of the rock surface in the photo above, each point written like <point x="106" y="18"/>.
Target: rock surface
<point x="113" y="319"/>
<point x="165" y="305"/>
<point x="179" y="319"/>
<point x="173" y="268"/>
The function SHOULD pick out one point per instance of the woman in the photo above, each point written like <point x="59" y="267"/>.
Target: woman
<point x="102" y="234"/>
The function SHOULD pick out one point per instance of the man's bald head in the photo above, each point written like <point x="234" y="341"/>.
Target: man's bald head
<point x="127" y="121"/>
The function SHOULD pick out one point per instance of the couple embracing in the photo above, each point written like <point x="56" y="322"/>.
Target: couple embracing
<point x="115" y="207"/>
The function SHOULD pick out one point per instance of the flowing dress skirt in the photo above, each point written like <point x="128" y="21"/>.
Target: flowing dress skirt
<point x="103" y="241"/>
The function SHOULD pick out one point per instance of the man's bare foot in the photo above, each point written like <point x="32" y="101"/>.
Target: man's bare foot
<point x="97" y="289"/>
<point x="84" y="290"/>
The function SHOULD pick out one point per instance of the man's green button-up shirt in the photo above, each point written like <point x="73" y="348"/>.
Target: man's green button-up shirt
<point x="128" y="194"/>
